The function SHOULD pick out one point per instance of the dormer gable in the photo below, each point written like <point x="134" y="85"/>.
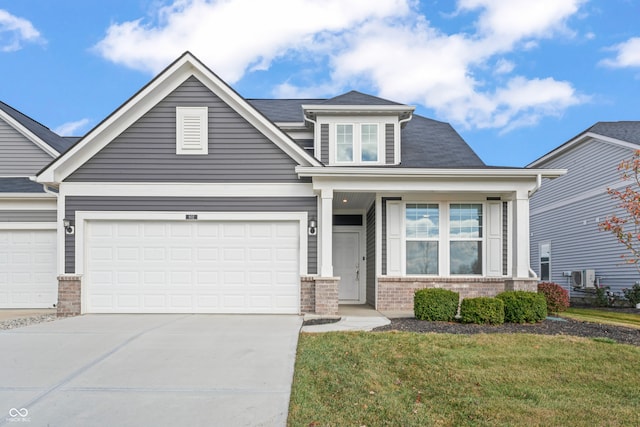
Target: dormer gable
<point x="355" y="129"/>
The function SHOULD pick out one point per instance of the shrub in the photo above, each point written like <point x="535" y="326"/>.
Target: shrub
<point x="435" y="304"/>
<point x="482" y="310"/>
<point x="523" y="306"/>
<point x="633" y="294"/>
<point x="603" y="296"/>
<point x="557" y="297"/>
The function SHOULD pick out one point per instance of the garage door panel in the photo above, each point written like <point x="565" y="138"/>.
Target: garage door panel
<point x="28" y="269"/>
<point x="195" y="266"/>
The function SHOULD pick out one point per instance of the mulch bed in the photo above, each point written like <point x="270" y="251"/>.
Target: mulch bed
<point x="547" y="327"/>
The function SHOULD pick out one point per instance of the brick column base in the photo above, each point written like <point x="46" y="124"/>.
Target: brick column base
<point x="69" y="295"/>
<point x="326" y="295"/>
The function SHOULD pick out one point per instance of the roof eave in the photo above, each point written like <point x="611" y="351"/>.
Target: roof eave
<point x="428" y="173"/>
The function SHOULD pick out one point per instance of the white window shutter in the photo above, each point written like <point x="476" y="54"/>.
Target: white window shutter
<point x="192" y="130"/>
<point x="494" y="239"/>
<point x="394" y="238"/>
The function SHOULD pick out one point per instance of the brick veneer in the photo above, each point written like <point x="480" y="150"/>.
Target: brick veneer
<point x="319" y="295"/>
<point x="396" y="293"/>
<point x="69" y="289"/>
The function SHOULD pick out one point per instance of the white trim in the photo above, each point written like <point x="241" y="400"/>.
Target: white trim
<point x="28" y="134"/>
<point x="61" y="235"/>
<point x="544" y="242"/>
<point x="488" y="173"/>
<point x="27" y="225"/>
<point x="586" y="137"/>
<point x="369" y="109"/>
<point x="83" y="216"/>
<point x="165" y="83"/>
<point x="22" y="196"/>
<point x="187" y="189"/>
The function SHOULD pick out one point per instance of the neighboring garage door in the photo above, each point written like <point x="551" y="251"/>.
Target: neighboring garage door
<point x="191" y="267"/>
<point x="28" y="269"/>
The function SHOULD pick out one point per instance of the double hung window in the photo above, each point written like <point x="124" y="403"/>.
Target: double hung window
<point x="422" y="232"/>
<point x="465" y="238"/>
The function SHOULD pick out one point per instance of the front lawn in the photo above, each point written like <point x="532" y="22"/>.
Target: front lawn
<point x="409" y="379"/>
<point x="607" y="317"/>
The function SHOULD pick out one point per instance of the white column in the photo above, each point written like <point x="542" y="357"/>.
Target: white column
<point x="326" y="233"/>
<point x="521" y="261"/>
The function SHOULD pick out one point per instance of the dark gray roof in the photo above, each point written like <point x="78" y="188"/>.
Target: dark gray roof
<point x="51" y="138"/>
<point x="19" y="185"/>
<point x="625" y="131"/>
<point x="283" y="110"/>
<point x="428" y="143"/>
<point x="358" y="98"/>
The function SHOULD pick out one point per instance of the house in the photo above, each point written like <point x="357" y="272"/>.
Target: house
<point x="27" y="212"/>
<point x="567" y="246"/>
<point x="190" y="198"/>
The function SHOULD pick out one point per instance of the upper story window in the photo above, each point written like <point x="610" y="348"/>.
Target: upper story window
<point x="192" y="134"/>
<point x="358" y="143"/>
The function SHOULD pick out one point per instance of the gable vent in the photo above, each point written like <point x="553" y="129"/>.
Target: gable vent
<point x="191" y="130"/>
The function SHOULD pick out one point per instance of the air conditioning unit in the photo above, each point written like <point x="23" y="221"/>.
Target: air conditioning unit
<point x="583" y="279"/>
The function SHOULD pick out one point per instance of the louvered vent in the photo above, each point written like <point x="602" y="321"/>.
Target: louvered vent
<point x="191" y="129"/>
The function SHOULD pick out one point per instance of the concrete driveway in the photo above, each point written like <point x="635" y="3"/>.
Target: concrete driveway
<point x="149" y="370"/>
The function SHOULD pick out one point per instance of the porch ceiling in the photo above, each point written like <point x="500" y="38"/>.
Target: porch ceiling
<point x="352" y="200"/>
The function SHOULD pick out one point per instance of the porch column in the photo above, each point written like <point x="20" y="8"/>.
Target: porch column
<point x="521" y="261"/>
<point x="326" y="233"/>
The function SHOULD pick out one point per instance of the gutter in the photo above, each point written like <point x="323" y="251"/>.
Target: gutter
<point x="538" y="185"/>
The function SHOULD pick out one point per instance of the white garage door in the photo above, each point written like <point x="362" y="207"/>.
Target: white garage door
<point x="192" y="267"/>
<point x="28" y="269"/>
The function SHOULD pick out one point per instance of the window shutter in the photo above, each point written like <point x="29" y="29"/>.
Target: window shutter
<point x="394" y="238"/>
<point x="192" y="130"/>
<point x="494" y="239"/>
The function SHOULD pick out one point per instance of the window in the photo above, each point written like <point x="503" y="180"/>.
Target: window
<point x="344" y="143"/>
<point x="545" y="261"/>
<point x="192" y="130"/>
<point x="357" y="143"/>
<point x="465" y="239"/>
<point x="422" y="231"/>
<point x="369" y="134"/>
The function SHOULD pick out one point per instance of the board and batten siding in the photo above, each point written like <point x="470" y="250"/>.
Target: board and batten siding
<point x="565" y="212"/>
<point x="146" y="151"/>
<point x="389" y="141"/>
<point x="18" y="155"/>
<point x="371" y="256"/>
<point x="28" y="216"/>
<point x="191" y="205"/>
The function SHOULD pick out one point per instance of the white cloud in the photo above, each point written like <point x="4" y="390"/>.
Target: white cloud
<point x="72" y="128"/>
<point x="234" y="36"/>
<point x="15" y="31"/>
<point x="628" y="54"/>
<point x="386" y="44"/>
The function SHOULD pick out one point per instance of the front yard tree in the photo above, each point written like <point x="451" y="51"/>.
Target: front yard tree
<point x="626" y="227"/>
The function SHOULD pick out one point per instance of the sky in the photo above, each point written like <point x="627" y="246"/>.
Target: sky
<point x="516" y="78"/>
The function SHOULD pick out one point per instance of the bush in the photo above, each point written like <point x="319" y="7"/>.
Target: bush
<point x="557" y="297"/>
<point x="482" y="310"/>
<point x="435" y="304"/>
<point x="523" y="306"/>
<point x="633" y="294"/>
<point x="603" y="296"/>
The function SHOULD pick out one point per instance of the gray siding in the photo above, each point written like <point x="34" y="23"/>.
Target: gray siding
<point x="191" y="204"/>
<point x="572" y="228"/>
<point x="146" y="151"/>
<point x="324" y="143"/>
<point x="28" y="216"/>
<point x="18" y="155"/>
<point x="371" y="256"/>
<point x="389" y="143"/>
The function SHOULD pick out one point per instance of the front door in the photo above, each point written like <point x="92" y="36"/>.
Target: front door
<point x="346" y="264"/>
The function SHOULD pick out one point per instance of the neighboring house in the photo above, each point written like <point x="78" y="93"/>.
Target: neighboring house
<point x="190" y="198"/>
<point x="27" y="213"/>
<point x="565" y="213"/>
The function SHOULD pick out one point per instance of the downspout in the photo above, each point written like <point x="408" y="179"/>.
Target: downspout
<point x="538" y="185"/>
<point x="400" y="123"/>
<point x="315" y="127"/>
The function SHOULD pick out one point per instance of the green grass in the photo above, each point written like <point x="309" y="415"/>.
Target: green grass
<point x="629" y="320"/>
<point x="407" y="379"/>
